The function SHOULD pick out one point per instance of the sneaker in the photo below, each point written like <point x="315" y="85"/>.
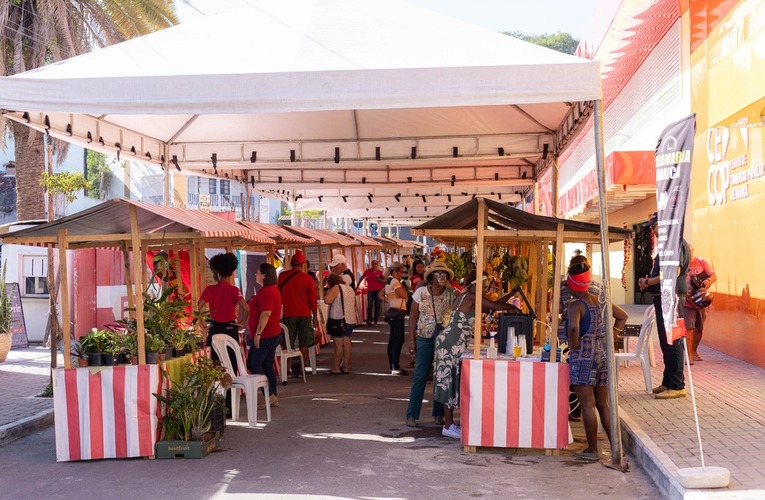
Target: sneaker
<point x="671" y="394"/>
<point x="439" y="420"/>
<point x="661" y="388"/>
<point x="410" y="422"/>
<point x="274" y="401"/>
<point x="399" y="372"/>
<point x="261" y="403"/>
<point x="452" y="432"/>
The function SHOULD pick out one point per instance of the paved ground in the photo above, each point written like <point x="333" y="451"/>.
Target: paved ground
<point x="344" y="437"/>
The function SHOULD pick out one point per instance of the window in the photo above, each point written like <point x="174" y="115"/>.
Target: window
<point x="225" y="187"/>
<point x="212" y="185"/>
<point x="35" y="276"/>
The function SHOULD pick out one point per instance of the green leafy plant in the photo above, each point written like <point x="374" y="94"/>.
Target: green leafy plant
<point x="154" y="343"/>
<point x="95" y="340"/>
<point x="191" y="400"/>
<point x="6" y="314"/>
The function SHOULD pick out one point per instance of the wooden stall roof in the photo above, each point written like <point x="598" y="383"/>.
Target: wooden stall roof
<point x="108" y="223"/>
<point x="399" y="242"/>
<point x="280" y="234"/>
<point x="365" y="241"/>
<point x="506" y="222"/>
<point x="324" y="237"/>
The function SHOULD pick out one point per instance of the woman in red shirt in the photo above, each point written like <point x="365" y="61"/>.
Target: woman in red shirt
<point x="222" y="298"/>
<point x="265" y="331"/>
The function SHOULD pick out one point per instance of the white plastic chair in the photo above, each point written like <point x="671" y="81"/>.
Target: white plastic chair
<point x="287" y="354"/>
<point x="248" y="383"/>
<point x="641" y="350"/>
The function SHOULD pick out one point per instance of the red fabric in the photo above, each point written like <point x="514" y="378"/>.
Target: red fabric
<point x="222" y="299"/>
<point x="268" y="298"/>
<point x="579" y="282"/>
<point x="372" y="284"/>
<point x="416" y="279"/>
<point x="678" y="331"/>
<point x="299" y="295"/>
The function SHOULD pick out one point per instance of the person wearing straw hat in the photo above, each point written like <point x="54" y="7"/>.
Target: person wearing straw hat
<point x="429" y="315"/>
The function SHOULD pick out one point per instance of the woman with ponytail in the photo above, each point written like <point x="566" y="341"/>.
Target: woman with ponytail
<point x="587" y="358"/>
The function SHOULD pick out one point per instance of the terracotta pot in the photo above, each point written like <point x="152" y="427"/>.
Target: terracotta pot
<point x="82" y="362"/>
<point x="5" y="346"/>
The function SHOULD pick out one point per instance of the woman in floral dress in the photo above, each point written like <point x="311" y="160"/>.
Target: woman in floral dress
<point x="450" y="345"/>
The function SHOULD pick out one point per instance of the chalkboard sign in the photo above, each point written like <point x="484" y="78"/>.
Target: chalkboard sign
<point x="18" y="326"/>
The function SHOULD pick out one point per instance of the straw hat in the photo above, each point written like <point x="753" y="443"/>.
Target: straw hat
<point x="438" y="266"/>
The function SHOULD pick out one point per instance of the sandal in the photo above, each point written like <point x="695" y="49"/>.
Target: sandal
<point x="590" y="456"/>
<point x="330" y="372"/>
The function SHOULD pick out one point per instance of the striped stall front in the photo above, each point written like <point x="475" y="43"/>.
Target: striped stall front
<point x="514" y="404"/>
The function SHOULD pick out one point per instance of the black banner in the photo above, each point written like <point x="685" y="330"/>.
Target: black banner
<point x="673" y="179"/>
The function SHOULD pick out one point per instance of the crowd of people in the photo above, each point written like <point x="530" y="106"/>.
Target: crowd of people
<point x="441" y="324"/>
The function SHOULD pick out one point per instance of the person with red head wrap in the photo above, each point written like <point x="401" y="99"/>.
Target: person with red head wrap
<point x="587" y="358"/>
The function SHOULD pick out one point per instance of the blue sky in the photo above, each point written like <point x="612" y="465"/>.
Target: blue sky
<point x="529" y="16"/>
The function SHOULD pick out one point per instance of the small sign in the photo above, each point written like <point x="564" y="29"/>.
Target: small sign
<point x="18" y="326"/>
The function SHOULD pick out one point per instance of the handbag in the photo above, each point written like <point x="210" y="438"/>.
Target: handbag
<point x="336" y="327"/>
<point x="394" y="314"/>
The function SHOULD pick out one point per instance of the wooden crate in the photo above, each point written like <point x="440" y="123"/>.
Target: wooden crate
<point x="187" y="449"/>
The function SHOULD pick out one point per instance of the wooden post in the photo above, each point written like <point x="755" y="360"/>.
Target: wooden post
<point x="67" y="327"/>
<point x="135" y="244"/>
<point x="479" y="262"/>
<point x="556" y="292"/>
<point x="128" y="281"/>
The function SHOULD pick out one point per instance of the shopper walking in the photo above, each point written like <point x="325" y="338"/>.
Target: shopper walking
<point x="395" y="297"/>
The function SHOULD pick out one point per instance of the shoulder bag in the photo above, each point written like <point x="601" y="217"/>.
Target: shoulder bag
<point x="336" y="327"/>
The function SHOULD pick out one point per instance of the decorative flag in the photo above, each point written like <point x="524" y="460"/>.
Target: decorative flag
<point x="673" y="179"/>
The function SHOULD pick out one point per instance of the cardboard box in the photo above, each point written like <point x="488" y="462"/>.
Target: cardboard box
<point x="187" y="449"/>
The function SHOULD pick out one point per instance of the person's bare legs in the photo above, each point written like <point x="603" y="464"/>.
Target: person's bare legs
<point x="448" y="416"/>
<point x="697" y="334"/>
<point x="306" y="358"/>
<point x="338" y="358"/>
<point x="601" y="403"/>
<point x="586" y="396"/>
<point x="346" y="354"/>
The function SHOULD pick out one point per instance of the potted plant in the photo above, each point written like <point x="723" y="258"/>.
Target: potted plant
<point x="154" y="344"/>
<point x="6" y="318"/>
<point x="112" y="347"/>
<point x="180" y="341"/>
<point x="191" y="402"/>
<point x="81" y="353"/>
<point x="94" y="343"/>
<point x="130" y="348"/>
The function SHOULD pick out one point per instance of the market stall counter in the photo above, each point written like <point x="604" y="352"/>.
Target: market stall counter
<point x="111" y="411"/>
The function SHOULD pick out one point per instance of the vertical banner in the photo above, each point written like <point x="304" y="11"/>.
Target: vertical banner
<point x="673" y="180"/>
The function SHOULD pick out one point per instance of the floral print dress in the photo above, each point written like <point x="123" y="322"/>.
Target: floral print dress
<point x="450" y="345"/>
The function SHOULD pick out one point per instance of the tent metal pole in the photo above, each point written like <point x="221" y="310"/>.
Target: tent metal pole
<point x="617" y="453"/>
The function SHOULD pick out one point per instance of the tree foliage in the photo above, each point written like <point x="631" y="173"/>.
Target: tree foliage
<point x="562" y="42"/>
<point x="66" y="184"/>
<point x="97" y="173"/>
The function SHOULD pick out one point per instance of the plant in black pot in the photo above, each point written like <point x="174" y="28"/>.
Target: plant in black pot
<point x="94" y="343"/>
<point x="180" y="341"/>
<point x="154" y="344"/>
<point x="112" y="347"/>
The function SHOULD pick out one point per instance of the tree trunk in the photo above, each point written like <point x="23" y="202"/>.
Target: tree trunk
<point x="30" y="164"/>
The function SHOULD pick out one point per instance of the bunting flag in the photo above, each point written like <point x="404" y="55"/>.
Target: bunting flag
<point x="673" y="179"/>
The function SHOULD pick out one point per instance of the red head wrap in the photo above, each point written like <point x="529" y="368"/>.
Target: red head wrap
<point x="579" y="282"/>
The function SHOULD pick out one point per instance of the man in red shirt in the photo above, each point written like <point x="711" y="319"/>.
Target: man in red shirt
<point x="375" y="282"/>
<point x="299" y="305"/>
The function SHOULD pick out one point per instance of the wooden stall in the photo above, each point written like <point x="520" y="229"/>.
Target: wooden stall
<point x="505" y="402"/>
<point x="109" y="412"/>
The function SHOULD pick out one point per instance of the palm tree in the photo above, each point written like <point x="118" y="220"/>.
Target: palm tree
<point x="38" y="32"/>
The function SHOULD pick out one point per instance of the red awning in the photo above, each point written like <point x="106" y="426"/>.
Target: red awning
<point x="623" y="169"/>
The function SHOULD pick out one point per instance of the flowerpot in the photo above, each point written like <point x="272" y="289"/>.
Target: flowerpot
<point x="109" y="359"/>
<point x="82" y="362"/>
<point x="163" y="356"/>
<point x="96" y="359"/>
<point x="177" y="353"/>
<point x="169" y="352"/>
<point x="5" y="346"/>
<point x="134" y="360"/>
<point x="152" y="358"/>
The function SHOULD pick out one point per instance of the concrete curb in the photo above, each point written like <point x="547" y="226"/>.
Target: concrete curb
<point x="24" y="427"/>
<point x="651" y="458"/>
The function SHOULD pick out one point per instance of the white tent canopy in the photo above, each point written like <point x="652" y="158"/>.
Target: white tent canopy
<point x="380" y="102"/>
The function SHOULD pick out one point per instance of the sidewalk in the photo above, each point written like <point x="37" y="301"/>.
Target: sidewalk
<point x="24" y="375"/>
<point x="730" y="397"/>
<point x="660" y="435"/>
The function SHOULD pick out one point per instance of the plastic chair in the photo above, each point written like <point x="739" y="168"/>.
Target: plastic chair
<point x="248" y="383"/>
<point x="286" y="354"/>
<point x="641" y="350"/>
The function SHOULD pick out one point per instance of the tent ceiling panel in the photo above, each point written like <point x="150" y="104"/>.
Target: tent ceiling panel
<point x="314" y="76"/>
